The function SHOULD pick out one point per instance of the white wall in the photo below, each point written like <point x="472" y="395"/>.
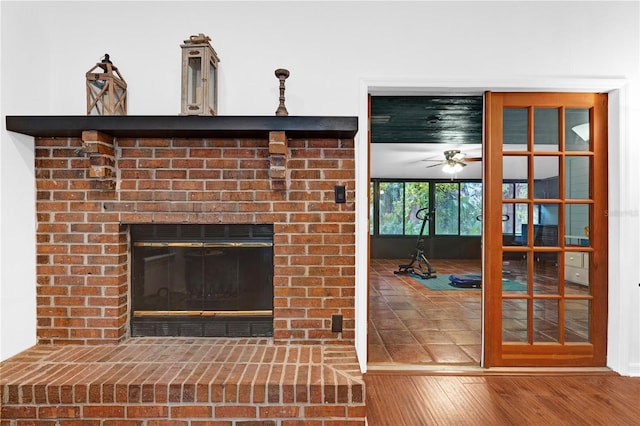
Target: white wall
<point x="333" y="50"/>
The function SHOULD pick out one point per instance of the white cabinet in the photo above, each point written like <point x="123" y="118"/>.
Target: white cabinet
<point x="576" y="267"/>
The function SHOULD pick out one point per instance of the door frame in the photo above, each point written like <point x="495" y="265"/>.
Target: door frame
<point x="620" y="306"/>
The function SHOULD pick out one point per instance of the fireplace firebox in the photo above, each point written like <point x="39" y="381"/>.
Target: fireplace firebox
<point x="202" y="280"/>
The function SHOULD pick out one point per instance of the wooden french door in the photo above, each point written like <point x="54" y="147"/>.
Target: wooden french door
<point x="546" y="229"/>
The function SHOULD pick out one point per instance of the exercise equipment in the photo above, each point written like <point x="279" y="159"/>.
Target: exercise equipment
<point x="466" y="280"/>
<point x="419" y="265"/>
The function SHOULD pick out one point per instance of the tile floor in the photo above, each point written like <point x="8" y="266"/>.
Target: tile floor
<point x="411" y="324"/>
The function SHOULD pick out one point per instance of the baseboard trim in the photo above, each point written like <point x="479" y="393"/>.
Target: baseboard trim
<point x="470" y="370"/>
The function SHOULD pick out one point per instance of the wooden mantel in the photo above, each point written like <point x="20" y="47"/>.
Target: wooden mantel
<point x="185" y="126"/>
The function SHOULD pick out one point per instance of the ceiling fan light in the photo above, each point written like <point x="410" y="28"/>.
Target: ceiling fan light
<point x="582" y="130"/>
<point x="452" y="168"/>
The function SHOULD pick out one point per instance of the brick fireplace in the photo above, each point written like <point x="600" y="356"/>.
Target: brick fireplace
<point x="97" y="178"/>
<point x="93" y="185"/>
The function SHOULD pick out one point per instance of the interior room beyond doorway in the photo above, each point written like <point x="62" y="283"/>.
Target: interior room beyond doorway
<point x="425" y="154"/>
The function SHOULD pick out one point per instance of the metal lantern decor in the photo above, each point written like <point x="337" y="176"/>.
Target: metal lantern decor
<point x="106" y="89"/>
<point x="199" y="77"/>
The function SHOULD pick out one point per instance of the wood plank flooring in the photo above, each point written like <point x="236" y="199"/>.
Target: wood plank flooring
<point x="403" y="399"/>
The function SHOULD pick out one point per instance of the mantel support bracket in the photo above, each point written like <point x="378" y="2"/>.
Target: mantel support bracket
<point x="278" y="160"/>
<point x="100" y="149"/>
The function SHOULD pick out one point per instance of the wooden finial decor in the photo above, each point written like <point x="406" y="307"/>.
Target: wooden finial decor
<point x="282" y="75"/>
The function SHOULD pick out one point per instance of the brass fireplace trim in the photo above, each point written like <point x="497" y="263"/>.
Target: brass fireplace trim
<point x="220" y="244"/>
<point x="256" y="313"/>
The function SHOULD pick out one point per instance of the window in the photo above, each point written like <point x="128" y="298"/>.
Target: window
<point x="397" y="205"/>
<point x="391" y="208"/>
<point x="470" y="208"/>
<point x="447" y="211"/>
<point x="417" y="197"/>
<point x="457" y="206"/>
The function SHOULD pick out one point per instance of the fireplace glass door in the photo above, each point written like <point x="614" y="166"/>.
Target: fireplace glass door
<point x="202" y="280"/>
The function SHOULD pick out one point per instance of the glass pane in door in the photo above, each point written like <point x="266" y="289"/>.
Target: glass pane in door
<point x="515" y="273"/>
<point x="546" y="177"/>
<point x="545" y="321"/>
<point x="515" y="168"/>
<point x="576" y="182"/>
<point x="576" y="273"/>
<point x="576" y="225"/>
<point x="545" y="127"/>
<point x="514" y="224"/>
<point x="546" y="276"/>
<point x="577" y="129"/>
<point x="576" y="321"/>
<point x="515" y="129"/>
<point x="545" y="227"/>
<point x="514" y="321"/>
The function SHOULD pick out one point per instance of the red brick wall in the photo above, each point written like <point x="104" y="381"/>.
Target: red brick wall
<point x="89" y="191"/>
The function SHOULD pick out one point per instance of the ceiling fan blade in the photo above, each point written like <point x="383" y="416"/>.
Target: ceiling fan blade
<point x="435" y="165"/>
<point x="459" y="156"/>
<point x="471" y="159"/>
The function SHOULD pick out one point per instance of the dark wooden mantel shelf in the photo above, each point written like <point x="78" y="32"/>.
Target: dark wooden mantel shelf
<point x="185" y="126"/>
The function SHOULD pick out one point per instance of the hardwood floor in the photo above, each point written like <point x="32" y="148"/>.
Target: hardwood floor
<point x="394" y="400"/>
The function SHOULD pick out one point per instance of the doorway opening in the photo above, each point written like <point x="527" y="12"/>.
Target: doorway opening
<point x="426" y="156"/>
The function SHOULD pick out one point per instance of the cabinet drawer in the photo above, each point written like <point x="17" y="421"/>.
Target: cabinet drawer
<point x="576" y="275"/>
<point x="572" y="258"/>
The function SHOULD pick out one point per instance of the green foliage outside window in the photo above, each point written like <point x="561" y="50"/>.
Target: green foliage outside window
<point x="417" y="197"/>
<point x="398" y="204"/>
<point x="391" y="208"/>
<point x="470" y="208"/>
<point x="447" y="208"/>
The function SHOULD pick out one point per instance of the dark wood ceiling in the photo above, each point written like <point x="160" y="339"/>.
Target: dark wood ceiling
<point x="426" y="119"/>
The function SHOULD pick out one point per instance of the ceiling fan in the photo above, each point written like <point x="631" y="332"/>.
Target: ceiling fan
<point x="454" y="161"/>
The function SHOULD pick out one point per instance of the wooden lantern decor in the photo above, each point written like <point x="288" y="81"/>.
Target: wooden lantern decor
<point x="199" y="77"/>
<point x="106" y="90"/>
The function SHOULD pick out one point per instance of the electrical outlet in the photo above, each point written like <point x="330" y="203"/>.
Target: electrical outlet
<point x="336" y="323"/>
<point x="340" y="193"/>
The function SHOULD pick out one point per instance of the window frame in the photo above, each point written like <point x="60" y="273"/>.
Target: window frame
<point x="430" y="230"/>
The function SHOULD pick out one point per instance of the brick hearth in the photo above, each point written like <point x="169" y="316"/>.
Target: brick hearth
<point x="180" y="381"/>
